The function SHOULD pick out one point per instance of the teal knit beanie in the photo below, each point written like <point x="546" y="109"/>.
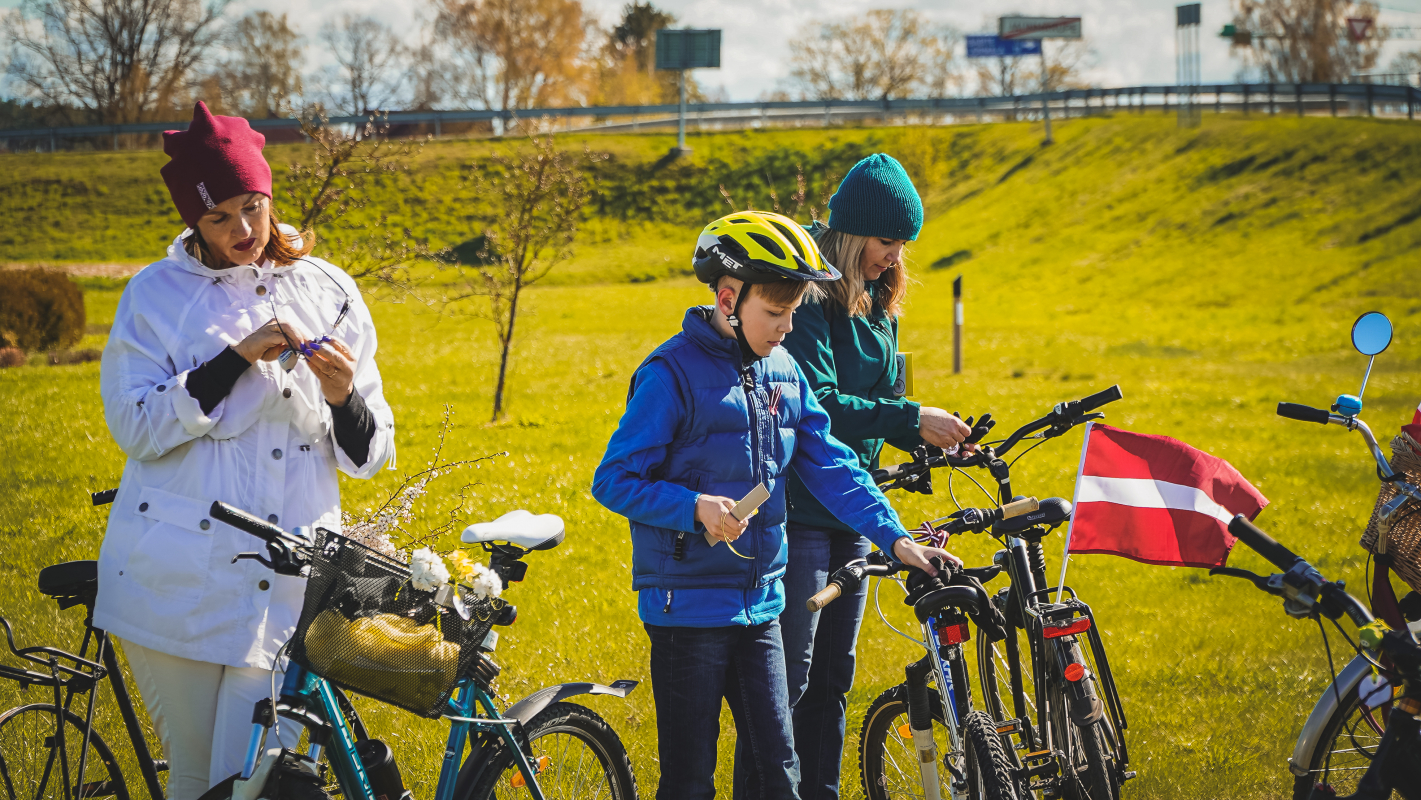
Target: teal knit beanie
<point x="877" y="198"/>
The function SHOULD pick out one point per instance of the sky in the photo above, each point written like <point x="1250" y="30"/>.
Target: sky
<point x="1132" y="41"/>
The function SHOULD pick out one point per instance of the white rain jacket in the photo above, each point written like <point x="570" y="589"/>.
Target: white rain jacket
<point x="166" y="577"/>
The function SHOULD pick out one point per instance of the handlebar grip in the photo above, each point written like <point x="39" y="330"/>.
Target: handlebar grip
<point x="1016" y="508"/>
<point x="1265" y="545"/>
<point x="823" y="597"/>
<point x="243" y="521"/>
<point x="1099" y="399"/>
<point x="1303" y="413"/>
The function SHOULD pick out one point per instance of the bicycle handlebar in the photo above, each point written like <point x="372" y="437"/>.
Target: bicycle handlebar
<point x="247" y="523"/>
<point x="1303" y="413"/>
<point x="980" y="519"/>
<point x="1265" y="545"/>
<point x="824" y="597"/>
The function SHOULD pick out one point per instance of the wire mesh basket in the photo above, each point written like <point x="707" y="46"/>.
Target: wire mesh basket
<point x="365" y="628"/>
<point x="1403" y="537"/>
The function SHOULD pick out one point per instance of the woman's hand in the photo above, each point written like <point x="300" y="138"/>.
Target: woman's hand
<point x="711" y="509"/>
<point x="267" y="342"/>
<point x="941" y="429"/>
<point x="335" y="369"/>
<point x="915" y="555"/>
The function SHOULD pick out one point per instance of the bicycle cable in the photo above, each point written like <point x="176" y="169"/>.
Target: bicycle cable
<point x="879" y="608"/>
<point x="1024" y="452"/>
<point x="993" y="500"/>
<point x="1353" y="645"/>
<point x="276" y="662"/>
<point x="1330" y="666"/>
<point x="951" y="493"/>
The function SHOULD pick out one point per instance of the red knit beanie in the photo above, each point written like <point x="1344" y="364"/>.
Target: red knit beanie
<point x="215" y="159"/>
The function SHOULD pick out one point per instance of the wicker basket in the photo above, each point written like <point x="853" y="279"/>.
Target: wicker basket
<point x="1403" y="541"/>
<point x="365" y="628"/>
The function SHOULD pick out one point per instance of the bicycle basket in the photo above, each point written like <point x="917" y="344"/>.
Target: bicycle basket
<point x="1403" y="540"/>
<point x="365" y="628"/>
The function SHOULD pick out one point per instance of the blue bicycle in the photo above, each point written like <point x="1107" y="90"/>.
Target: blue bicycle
<point x="367" y="629"/>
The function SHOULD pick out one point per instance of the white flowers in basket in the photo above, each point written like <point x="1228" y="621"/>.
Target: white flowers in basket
<point x="427" y="570"/>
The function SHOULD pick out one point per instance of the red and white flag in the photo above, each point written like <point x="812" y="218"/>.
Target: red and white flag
<point x="1156" y="499"/>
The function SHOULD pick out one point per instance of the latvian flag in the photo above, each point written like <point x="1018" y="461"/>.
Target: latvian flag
<point x="1157" y="500"/>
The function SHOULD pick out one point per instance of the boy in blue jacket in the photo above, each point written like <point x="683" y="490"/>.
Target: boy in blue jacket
<point x="716" y="410"/>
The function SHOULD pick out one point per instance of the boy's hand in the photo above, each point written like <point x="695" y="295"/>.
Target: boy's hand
<point x="710" y="510"/>
<point x="915" y="555"/>
<point x="941" y="429"/>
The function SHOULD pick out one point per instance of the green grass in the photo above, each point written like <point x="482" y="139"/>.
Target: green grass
<point x="1211" y="273"/>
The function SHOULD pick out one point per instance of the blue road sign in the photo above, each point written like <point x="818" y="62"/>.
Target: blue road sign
<point x="990" y="46"/>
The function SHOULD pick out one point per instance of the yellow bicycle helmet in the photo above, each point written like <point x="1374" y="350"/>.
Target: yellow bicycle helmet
<point x="759" y="247"/>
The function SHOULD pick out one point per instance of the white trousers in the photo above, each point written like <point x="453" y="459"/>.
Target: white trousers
<point x="203" y="715"/>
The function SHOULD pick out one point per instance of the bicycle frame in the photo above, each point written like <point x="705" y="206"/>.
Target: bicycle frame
<point x="468" y="701"/>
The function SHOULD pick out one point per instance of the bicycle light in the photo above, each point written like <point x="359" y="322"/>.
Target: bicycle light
<point x="1074" y="672"/>
<point x="953" y="633"/>
<point x="1056" y="631"/>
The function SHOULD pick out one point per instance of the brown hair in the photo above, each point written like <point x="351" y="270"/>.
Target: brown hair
<point x="280" y="248"/>
<point x="844" y="251"/>
<point x="776" y="293"/>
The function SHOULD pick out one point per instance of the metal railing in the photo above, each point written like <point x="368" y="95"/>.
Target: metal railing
<point x="1266" y="98"/>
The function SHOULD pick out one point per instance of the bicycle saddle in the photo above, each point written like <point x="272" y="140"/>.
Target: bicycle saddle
<point x="522" y="528"/>
<point x="69" y="579"/>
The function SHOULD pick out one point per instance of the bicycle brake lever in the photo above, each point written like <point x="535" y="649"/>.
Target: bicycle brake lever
<point x="1254" y="578"/>
<point x="254" y="557"/>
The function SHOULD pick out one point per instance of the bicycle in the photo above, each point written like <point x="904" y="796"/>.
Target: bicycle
<point x="1057" y="701"/>
<point x="1394" y="762"/>
<point x="938" y="720"/>
<point x="1343" y="732"/>
<point x="38" y="759"/>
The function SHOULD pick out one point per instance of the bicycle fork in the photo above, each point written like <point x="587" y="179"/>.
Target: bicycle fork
<point x="920" y="721"/>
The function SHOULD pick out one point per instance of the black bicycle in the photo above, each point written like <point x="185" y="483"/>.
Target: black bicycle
<point x="1054" y="700"/>
<point x="1393" y="762"/>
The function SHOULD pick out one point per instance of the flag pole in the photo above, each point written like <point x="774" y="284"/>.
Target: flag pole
<point x="1075" y="498"/>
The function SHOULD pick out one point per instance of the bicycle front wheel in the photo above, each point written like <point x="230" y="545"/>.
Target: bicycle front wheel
<point x="34" y="765"/>
<point x="1349" y="743"/>
<point x="576" y="753"/>
<point x="888" y="761"/>
<point x="993" y="769"/>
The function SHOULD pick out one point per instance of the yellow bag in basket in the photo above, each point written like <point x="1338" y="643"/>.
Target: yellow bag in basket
<point x="386" y="656"/>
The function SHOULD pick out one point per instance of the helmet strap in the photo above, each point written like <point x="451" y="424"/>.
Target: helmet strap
<point x="748" y="355"/>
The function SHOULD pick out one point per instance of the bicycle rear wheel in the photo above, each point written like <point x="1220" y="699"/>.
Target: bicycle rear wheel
<point x="577" y="754"/>
<point x="33" y="766"/>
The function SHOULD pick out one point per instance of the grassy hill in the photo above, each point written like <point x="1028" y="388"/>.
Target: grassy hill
<point x="1209" y="272"/>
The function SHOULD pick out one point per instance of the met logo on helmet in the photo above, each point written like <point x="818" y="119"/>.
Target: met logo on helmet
<point x="729" y="262"/>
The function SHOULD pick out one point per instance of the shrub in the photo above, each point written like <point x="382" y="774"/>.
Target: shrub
<point x="62" y="357"/>
<point x="40" y="310"/>
<point x="11" y="357"/>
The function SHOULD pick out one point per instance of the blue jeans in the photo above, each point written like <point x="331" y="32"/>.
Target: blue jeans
<point x="819" y="652"/>
<point x="691" y="670"/>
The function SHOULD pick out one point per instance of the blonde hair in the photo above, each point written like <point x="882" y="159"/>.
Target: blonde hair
<point x="845" y="251"/>
<point x="280" y="249"/>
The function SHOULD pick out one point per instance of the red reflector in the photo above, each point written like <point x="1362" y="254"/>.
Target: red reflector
<point x="1075" y="672"/>
<point x="1079" y="626"/>
<point x="952" y="634"/>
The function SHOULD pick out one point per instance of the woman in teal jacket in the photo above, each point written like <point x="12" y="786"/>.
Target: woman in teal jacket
<point x="846" y="342"/>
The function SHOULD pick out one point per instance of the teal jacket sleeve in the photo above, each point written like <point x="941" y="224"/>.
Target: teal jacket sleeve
<point x="832" y="473"/>
<point x="625" y="482"/>
<point x="854" y="418"/>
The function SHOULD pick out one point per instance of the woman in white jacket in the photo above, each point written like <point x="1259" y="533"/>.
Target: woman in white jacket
<point x="194" y="393"/>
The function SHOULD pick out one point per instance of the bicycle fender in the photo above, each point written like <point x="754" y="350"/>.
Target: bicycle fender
<point x="1347" y="680"/>
<point x="524" y="710"/>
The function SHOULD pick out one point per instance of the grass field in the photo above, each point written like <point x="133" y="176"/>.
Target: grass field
<point x="1210" y="273"/>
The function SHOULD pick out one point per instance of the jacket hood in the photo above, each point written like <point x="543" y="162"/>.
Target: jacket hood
<point x="179" y="255"/>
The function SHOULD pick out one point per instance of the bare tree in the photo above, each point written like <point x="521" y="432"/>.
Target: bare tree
<point x="370" y="71"/>
<point x="882" y="55"/>
<point x="1004" y="76"/>
<point x="538" y="192"/>
<point x="514" y="54"/>
<point x="117" y="60"/>
<point x="1304" y="41"/>
<point x="262" y="76"/>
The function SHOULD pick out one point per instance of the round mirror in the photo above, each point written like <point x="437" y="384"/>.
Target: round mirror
<point x="1371" y="333"/>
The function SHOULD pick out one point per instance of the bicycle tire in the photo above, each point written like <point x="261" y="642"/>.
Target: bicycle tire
<point x="993" y="673"/>
<point x="29" y="756"/>
<point x="1344" y="751"/>
<point x="992" y="767"/>
<point x="561" y="722"/>
<point x="888" y="765"/>
<point x="1100" y="781"/>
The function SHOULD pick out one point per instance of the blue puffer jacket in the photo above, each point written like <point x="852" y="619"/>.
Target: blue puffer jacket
<point x="697" y="423"/>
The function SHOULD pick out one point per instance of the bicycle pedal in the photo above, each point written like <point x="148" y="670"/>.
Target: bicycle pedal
<point x="1009" y="727"/>
<point x="1045" y="767"/>
<point x="1128" y="775"/>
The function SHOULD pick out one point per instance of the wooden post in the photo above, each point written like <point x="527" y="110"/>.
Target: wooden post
<point x="1371" y="111"/>
<point x="957" y="325"/>
<point x="1298" y="94"/>
<point x="1332" y="97"/>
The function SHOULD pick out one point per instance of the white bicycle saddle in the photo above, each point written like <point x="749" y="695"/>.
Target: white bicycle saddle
<point x="522" y="528"/>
